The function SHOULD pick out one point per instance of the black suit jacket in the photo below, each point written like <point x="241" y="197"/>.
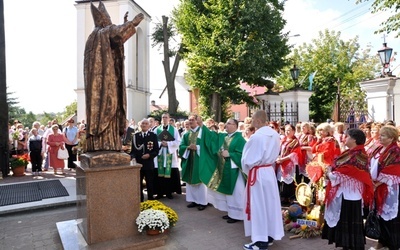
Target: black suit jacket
<point x="127" y="138"/>
<point x="150" y="146"/>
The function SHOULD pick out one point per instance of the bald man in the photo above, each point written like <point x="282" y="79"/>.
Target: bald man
<point x="262" y="220"/>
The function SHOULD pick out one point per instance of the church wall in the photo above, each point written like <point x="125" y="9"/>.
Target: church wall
<point x="136" y="55"/>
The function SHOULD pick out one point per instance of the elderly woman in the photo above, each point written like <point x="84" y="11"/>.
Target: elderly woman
<point x="248" y="131"/>
<point x="366" y="128"/>
<point x="289" y="158"/>
<point x="385" y="172"/>
<point x="339" y="135"/>
<point x="374" y="143"/>
<point x="306" y="140"/>
<point x="55" y="142"/>
<point x="349" y="186"/>
<point x="22" y="138"/>
<point x="221" y="127"/>
<point x="326" y="147"/>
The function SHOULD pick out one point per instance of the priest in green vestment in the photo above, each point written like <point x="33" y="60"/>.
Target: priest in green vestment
<point x="226" y="181"/>
<point x="196" y="154"/>
<point x="166" y="171"/>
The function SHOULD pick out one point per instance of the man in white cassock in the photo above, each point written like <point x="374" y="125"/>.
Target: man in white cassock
<point x="263" y="218"/>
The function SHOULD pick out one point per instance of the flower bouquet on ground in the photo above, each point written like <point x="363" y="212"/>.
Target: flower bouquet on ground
<point x="157" y="205"/>
<point x="151" y="219"/>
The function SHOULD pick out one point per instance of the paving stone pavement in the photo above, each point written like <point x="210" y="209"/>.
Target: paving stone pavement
<point x="34" y="229"/>
<point x="195" y="230"/>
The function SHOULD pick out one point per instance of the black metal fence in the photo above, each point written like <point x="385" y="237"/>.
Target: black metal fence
<point x="353" y="114"/>
<point x="282" y="112"/>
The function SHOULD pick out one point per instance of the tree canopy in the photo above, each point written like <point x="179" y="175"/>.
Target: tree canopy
<point x="392" y="24"/>
<point x="333" y="60"/>
<point x="163" y="33"/>
<point x="228" y="41"/>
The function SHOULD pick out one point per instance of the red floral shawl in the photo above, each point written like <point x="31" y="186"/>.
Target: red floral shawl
<point x="329" y="148"/>
<point x="353" y="163"/>
<point x="388" y="163"/>
<point x="289" y="147"/>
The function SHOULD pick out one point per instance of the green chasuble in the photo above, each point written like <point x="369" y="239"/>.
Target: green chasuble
<point x="223" y="178"/>
<point x="164" y="172"/>
<point x="195" y="165"/>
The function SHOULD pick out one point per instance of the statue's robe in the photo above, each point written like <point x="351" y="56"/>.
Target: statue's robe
<point x="105" y="86"/>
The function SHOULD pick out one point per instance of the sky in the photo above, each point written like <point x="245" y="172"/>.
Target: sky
<point x="41" y="43"/>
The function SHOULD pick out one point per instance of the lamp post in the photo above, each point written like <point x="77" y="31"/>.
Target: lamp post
<point x="294" y="72"/>
<point x="385" y="54"/>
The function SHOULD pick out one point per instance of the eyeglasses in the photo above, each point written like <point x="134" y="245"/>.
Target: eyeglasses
<point x="192" y="120"/>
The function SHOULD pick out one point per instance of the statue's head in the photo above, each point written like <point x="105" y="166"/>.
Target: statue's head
<point x="100" y="15"/>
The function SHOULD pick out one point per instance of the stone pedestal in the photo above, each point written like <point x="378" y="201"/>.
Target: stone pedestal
<point x="108" y="203"/>
<point x="107" y="196"/>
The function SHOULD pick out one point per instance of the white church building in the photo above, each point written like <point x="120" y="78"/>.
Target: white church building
<point x="137" y="51"/>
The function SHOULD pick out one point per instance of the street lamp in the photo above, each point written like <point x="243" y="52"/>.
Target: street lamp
<point x="294" y="72"/>
<point x="385" y="54"/>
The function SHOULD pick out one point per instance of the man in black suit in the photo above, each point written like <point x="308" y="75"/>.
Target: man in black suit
<point x="145" y="148"/>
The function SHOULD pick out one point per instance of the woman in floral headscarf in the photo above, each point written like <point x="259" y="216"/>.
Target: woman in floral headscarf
<point x="385" y="173"/>
<point x="289" y="158"/>
<point x="374" y="143"/>
<point x="349" y="186"/>
<point x="325" y="150"/>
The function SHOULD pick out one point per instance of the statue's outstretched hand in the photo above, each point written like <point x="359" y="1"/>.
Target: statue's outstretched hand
<point x="138" y="18"/>
<point x="126" y="17"/>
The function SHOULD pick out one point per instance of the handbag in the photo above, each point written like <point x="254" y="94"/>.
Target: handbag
<point x="62" y="154"/>
<point x="372" y="225"/>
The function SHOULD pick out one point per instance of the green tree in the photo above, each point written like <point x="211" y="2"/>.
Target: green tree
<point x="163" y="33"/>
<point x="179" y="115"/>
<point x="228" y="41"/>
<point x="392" y="24"/>
<point x="28" y="119"/>
<point x="13" y="109"/>
<point x="70" y="110"/>
<point x="332" y="59"/>
<point x="46" y="117"/>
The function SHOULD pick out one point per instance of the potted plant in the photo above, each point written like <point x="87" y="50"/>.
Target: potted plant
<point x="18" y="164"/>
<point x="152" y="221"/>
<point x="157" y="205"/>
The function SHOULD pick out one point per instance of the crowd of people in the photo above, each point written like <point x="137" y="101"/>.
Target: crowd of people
<point x="250" y="169"/>
<point x="42" y="143"/>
